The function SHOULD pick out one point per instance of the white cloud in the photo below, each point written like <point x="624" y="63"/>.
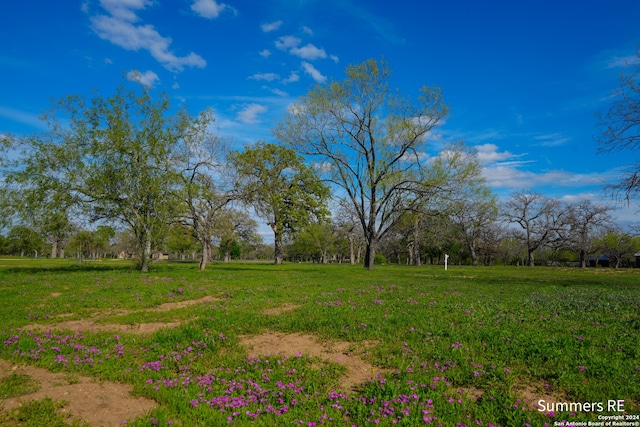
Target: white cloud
<point x="293" y="77"/>
<point x="623" y="61"/>
<point x="287" y="42"/>
<point x="148" y="78"/>
<point x="120" y="28"/>
<point x="265" y="53"/>
<point x="279" y="92"/>
<point x="307" y="30"/>
<point x="551" y="140"/>
<point x="24" y="117"/>
<point x="249" y="113"/>
<point x="209" y="9"/>
<point x="488" y="153"/>
<point x="269" y="77"/>
<point x="314" y="73"/>
<point x="309" y="52"/>
<point x="334" y="58"/>
<point x="271" y="26"/>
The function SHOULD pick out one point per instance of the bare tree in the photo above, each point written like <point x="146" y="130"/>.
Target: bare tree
<point x="472" y="214"/>
<point x="542" y="220"/>
<point x="620" y="129"/>
<point x="586" y="220"/>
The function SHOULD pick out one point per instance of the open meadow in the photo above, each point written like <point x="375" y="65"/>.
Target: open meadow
<point x="98" y="343"/>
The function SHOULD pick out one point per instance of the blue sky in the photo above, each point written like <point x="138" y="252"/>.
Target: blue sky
<point x="524" y="79"/>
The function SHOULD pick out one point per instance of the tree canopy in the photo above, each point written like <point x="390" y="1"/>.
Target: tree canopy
<point x="372" y="142"/>
<point x="280" y="187"/>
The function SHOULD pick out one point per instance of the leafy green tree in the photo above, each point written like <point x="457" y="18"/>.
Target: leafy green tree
<point x="616" y="245"/>
<point x="179" y="239"/>
<point x="316" y="240"/>
<point x="371" y="142"/>
<point x="103" y="237"/>
<point x="83" y="243"/>
<point x="281" y="189"/>
<point x="116" y="157"/>
<point x="232" y="225"/>
<point x="24" y="241"/>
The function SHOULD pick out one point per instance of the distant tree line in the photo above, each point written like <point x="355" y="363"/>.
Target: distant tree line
<point x="352" y="177"/>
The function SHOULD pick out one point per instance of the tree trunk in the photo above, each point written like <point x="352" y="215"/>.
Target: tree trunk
<point x="145" y="256"/>
<point x="370" y="254"/>
<point x="474" y="256"/>
<point x="61" y="252"/>
<point x="277" y="244"/>
<point x="583" y="259"/>
<point x="416" y="243"/>
<point x="530" y="260"/>
<point x="351" y="251"/>
<point x="54" y="248"/>
<point x="206" y="251"/>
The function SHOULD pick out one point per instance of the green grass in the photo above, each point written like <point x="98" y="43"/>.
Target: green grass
<point x="497" y="332"/>
<point x="17" y="385"/>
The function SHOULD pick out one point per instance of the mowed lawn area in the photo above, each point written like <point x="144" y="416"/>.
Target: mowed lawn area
<point x="309" y="345"/>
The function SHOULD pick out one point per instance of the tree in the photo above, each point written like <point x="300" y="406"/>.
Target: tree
<point x="281" y="189"/>
<point x="371" y="143"/>
<point x="103" y="236"/>
<point x="620" y="129"/>
<point x="472" y="214"/>
<point x="541" y="219"/>
<point x="232" y="225"/>
<point x="84" y="244"/>
<point x="616" y="245"/>
<point x="205" y="195"/>
<point x="316" y="241"/>
<point x="115" y="156"/>
<point x="585" y="221"/>
<point x="179" y="239"/>
<point x="24" y="241"/>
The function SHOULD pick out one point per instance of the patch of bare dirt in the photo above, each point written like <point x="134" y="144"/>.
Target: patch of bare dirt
<point x="276" y="311"/>
<point x="528" y="395"/>
<point x="188" y="303"/>
<point x="343" y="353"/>
<point x="98" y="403"/>
<point x="90" y="325"/>
<point x="137" y="328"/>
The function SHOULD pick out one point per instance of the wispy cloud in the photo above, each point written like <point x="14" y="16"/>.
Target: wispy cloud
<point x="148" y="78"/>
<point x="293" y="77"/>
<point x="489" y="153"/>
<point x="551" y="140"/>
<point x="314" y="73"/>
<point x="122" y="28"/>
<point x="271" y="26"/>
<point x="269" y="77"/>
<point x="24" y="117"/>
<point x="623" y="61"/>
<point x="308" y="51"/>
<point x="250" y="113"/>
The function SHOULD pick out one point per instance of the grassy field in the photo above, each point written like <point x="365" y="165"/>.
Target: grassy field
<point x="463" y="347"/>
